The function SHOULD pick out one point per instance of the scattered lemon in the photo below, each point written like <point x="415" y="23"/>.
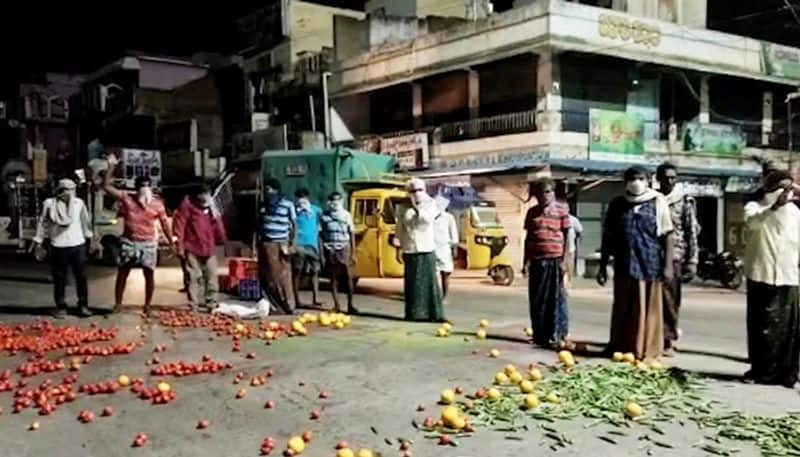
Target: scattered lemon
<point x="346" y="319"/>
<point x="298" y="326"/>
<point x="269" y="335"/>
<point x="515" y="377"/>
<point x="493" y="394"/>
<point x="339" y="325"/>
<point x="345" y="452"/>
<point x="164" y="387"/>
<point x="510" y="368"/>
<point x="617" y="357"/>
<point x="296" y="445"/>
<point x="526" y="387"/>
<point x="483" y="323"/>
<point x="239" y="328"/>
<point x="628" y="357"/>
<point x="530" y="401"/>
<point x="641" y="366"/>
<point x="494" y="353"/>
<point x="364" y="453"/>
<point x="552" y="397"/>
<point x="450" y="414"/>
<point x="124" y="380"/>
<point x="447" y="326"/>
<point x="535" y="374"/>
<point x="447" y="396"/>
<point x="528" y="331"/>
<point x="500" y="378"/>
<point x="566" y="358"/>
<point x="441" y="332"/>
<point x="633" y="410"/>
<point x="480" y="334"/>
<point x="324" y="319"/>
<point x="656" y="365"/>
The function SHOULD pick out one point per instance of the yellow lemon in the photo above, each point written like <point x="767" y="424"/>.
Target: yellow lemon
<point x="515" y="377"/>
<point x="480" y="334"/>
<point x="633" y="410"/>
<point x="552" y="397"/>
<point x="510" y="369"/>
<point x="530" y="401"/>
<point x="296" y="445"/>
<point x="441" y="332"/>
<point x="345" y="452"/>
<point x="641" y="366"/>
<point x="494" y="353"/>
<point x="483" y="323"/>
<point x="459" y="423"/>
<point x="364" y="453"/>
<point x="163" y="387"/>
<point x="124" y="380"/>
<point x="298" y="326"/>
<point x="450" y="414"/>
<point x="500" y="378"/>
<point x="617" y="357"/>
<point x="339" y="325"/>
<point x="346" y="320"/>
<point x="566" y="358"/>
<point x="447" y="396"/>
<point x="656" y="365"/>
<point x="312" y="318"/>
<point x="528" y="331"/>
<point x="493" y="394"/>
<point x="239" y="328"/>
<point x="628" y="357"/>
<point x="535" y="374"/>
<point x="447" y="326"/>
<point x="324" y="320"/>
<point x="526" y="387"/>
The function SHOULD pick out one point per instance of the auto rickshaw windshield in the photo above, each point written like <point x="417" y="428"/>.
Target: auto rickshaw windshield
<point x="391" y="208"/>
<point x="485" y="217"/>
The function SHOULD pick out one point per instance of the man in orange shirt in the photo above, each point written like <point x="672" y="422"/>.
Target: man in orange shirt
<point x="140" y="238"/>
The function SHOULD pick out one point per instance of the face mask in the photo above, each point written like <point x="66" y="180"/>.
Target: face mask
<point x="66" y="195"/>
<point x="146" y="194"/>
<point x="636" y="187"/>
<point x="205" y="200"/>
<point x="548" y="198"/>
<point x="336" y="205"/>
<point x="304" y="203"/>
<point x="771" y="197"/>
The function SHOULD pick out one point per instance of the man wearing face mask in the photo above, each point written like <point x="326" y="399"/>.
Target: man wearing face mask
<point x="278" y="227"/>
<point x="637" y="232"/>
<point x="199" y="231"/>
<point x="683" y="211"/>
<point x="65" y="222"/>
<point x="306" y="260"/>
<point x="339" y="247"/>
<point x="415" y="236"/>
<point x="140" y="238"/>
<point x="771" y="260"/>
<point x="546" y="228"/>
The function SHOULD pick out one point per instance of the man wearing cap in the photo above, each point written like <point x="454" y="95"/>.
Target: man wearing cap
<point x="65" y="222"/>
<point x="139" y="238"/>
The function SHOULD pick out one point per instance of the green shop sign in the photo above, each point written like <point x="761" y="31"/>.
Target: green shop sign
<point x="720" y="139"/>
<point x="615" y="135"/>
<point x="781" y="61"/>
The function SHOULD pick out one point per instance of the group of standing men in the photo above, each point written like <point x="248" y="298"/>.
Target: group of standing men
<point x="652" y="237"/>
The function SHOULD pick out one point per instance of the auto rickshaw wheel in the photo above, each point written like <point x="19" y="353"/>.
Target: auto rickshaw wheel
<point x="503" y="275"/>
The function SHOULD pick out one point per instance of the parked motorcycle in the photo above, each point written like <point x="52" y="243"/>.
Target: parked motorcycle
<point x="724" y="267"/>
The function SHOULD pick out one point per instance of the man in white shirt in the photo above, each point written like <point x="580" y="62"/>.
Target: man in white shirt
<point x="772" y="256"/>
<point x="445" y="236"/>
<point x="65" y="222"/>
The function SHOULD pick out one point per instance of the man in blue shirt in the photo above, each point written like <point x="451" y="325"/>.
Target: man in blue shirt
<point x="306" y="260"/>
<point x="277" y="234"/>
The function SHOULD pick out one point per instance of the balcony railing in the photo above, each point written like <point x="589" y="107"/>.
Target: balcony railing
<point x="503" y="124"/>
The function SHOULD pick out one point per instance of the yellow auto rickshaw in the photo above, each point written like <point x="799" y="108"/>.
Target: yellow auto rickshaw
<point x="483" y="241"/>
<point x="373" y="211"/>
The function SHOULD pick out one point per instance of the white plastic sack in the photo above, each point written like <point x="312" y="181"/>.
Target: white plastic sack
<point x="245" y="310"/>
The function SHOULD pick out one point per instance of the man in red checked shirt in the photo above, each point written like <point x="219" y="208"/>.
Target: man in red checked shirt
<point x="199" y="231"/>
<point x="139" y="238"/>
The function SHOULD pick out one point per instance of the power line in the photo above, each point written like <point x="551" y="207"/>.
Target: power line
<point x="792" y="10"/>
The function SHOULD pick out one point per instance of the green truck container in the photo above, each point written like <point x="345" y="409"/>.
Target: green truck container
<point x="323" y="171"/>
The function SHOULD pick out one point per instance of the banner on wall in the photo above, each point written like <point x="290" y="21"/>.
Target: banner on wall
<point x="720" y="139"/>
<point x="616" y="135"/>
<point x="781" y="61"/>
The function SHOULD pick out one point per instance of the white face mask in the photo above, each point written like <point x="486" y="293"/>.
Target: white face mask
<point x="336" y="205"/>
<point x="146" y="194"/>
<point x="771" y="197"/>
<point x="636" y="187"/>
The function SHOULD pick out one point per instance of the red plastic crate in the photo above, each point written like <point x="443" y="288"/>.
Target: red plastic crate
<point x="242" y="268"/>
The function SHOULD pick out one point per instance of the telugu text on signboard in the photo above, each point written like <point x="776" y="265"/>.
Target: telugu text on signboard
<point x="411" y="151"/>
<point x="140" y="162"/>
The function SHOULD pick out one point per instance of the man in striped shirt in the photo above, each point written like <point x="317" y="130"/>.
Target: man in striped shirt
<point x="546" y="227"/>
<point x="339" y="247"/>
<point x="277" y="233"/>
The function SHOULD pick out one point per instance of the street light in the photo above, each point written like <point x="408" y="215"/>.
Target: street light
<point x="789" y="116"/>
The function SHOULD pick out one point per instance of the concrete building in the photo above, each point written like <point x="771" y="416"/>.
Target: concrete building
<point x="572" y="90"/>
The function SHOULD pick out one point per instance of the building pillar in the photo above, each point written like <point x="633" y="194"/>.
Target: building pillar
<point x="416" y="104"/>
<point x="473" y="93"/>
<point x="705" y="101"/>
<point x="548" y="92"/>
<point x="766" y="118"/>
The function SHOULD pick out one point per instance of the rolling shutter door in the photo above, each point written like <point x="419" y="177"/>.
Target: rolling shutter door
<point x="506" y="193"/>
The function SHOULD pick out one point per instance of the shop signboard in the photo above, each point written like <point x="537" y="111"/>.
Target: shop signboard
<point x="781" y="61"/>
<point x="411" y="151"/>
<point x="140" y="162"/>
<point x="616" y="135"/>
<point x="719" y="139"/>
